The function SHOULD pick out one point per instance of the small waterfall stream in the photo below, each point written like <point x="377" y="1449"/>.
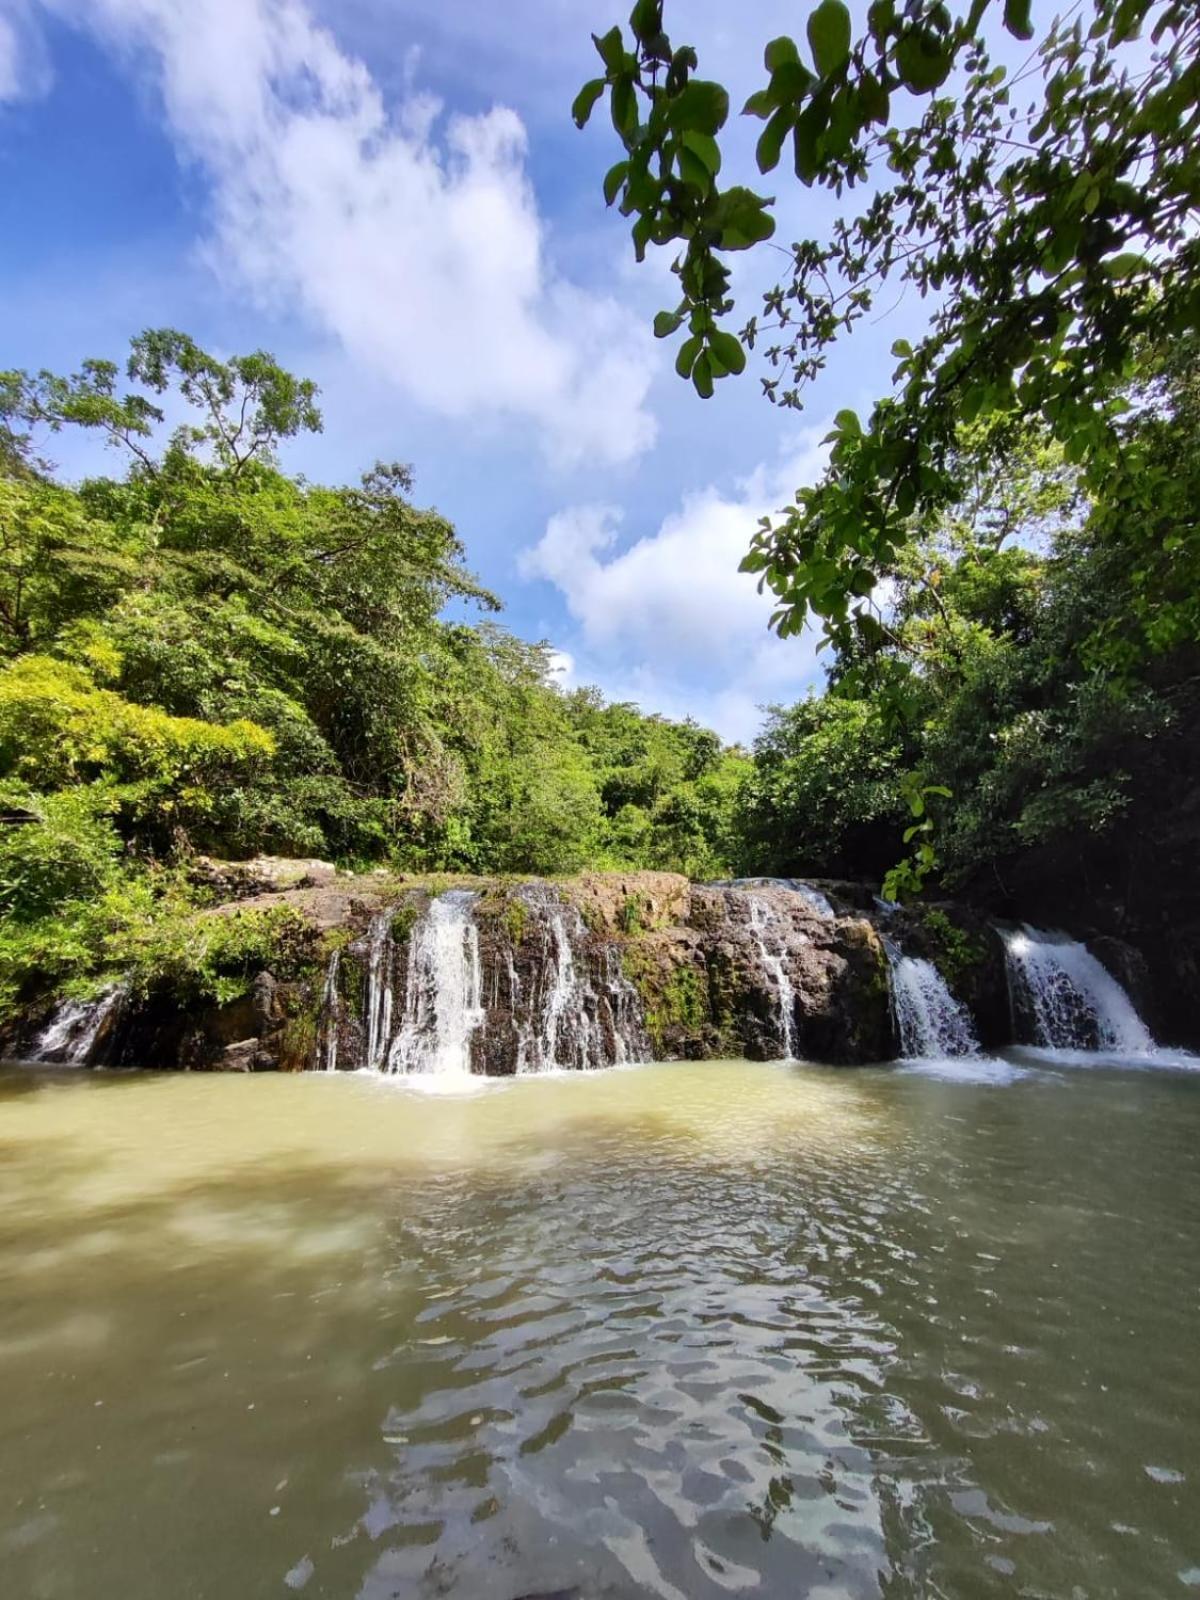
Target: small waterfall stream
<point x="443" y="1001"/>
<point x="331" y="1015"/>
<point x="380" y="990"/>
<point x="72" y="1032"/>
<point x="770" y="933"/>
<point x="820" y="903"/>
<point x="932" y="1024"/>
<point x="562" y="992"/>
<point x="578" y="1018"/>
<point x="1072" y="999"/>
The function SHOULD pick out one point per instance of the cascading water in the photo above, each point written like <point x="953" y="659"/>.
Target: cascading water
<point x="1074" y="1002"/>
<point x="71" y="1034"/>
<point x="770" y="934"/>
<point x="819" y="903"/>
<point x="571" y="1021"/>
<point x="443" y="1003"/>
<point x="380" y="1000"/>
<point x="331" y="1016"/>
<point x="630" y="1039"/>
<point x="932" y="1024"/>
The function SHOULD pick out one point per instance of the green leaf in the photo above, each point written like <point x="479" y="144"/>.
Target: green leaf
<point x="581" y="110"/>
<point x="829" y="36"/>
<point x="770" y="143"/>
<point x="1125" y="265"/>
<point x="727" y="349"/>
<point x="701" y="106"/>
<point x="704" y="147"/>
<point x="847" y="422"/>
<point x="693" y="171"/>
<point x="702" y="377"/>
<point x="666" y="322"/>
<point x="646" y="20"/>
<point x="789" y="82"/>
<point x="742" y="219"/>
<point x="778" y="51"/>
<point x="760" y="104"/>
<point x="624" y="107"/>
<point x="688" y="351"/>
<point x="613" y="179"/>
<point x="880" y="18"/>
<point x="810" y="127"/>
<point x="611" y="48"/>
<point x="874" y="102"/>
<point x="923" y="61"/>
<point x="1017" y="20"/>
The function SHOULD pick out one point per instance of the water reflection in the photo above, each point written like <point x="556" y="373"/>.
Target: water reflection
<point x="682" y="1331"/>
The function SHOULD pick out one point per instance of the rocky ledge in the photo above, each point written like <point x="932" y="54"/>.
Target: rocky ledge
<point x="312" y="968"/>
<point x="575" y="972"/>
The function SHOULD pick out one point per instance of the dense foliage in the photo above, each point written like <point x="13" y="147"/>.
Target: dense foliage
<point x="1032" y="706"/>
<point x="205" y="654"/>
<point x="1048" y="214"/>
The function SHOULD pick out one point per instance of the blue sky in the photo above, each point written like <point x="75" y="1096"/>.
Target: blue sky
<point x="391" y="196"/>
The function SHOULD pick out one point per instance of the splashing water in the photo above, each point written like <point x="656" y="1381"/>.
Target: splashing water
<point x="819" y="903"/>
<point x="584" y="1012"/>
<point x="331" y="1016"/>
<point x="932" y="1024"/>
<point x="380" y="995"/>
<point x="770" y="934"/>
<point x="443" y="1004"/>
<point x="1073" y="1000"/>
<point x="72" y="1032"/>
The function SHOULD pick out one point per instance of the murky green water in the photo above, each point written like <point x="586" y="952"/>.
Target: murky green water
<point x="685" y="1331"/>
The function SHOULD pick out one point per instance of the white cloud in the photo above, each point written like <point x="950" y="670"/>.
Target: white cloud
<point x="24" y="68"/>
<point x="560" y="667"/>
<point x="669" y="621"/>
<point x="412" y="237"/>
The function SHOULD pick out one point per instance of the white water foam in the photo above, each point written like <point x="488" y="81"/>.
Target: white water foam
<point x="932" y="1024"/>
<point x="1074" y="1001"/>
<point x="443" y="1004"/>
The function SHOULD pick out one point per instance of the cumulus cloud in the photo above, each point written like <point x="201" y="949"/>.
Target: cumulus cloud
<point x="668" y="620"/>
<point x="560" y="665"/>
<point x="24" y="68"/>
<point x="411" y="235"/>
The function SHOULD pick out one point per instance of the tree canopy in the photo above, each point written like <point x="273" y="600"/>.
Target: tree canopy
<point x="203" y="653"/>
<point x="1047" y="214"/>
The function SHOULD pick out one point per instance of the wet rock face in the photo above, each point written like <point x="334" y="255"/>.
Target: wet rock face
<point x="762" y="972"/>
<point x="582" y="973"/>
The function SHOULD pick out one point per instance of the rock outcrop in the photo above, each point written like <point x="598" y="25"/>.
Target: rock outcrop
<point x="512" y="976"/>
<point x="580" y="972"/>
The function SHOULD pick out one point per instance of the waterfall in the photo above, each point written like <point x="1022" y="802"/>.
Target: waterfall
<point x="72" y="1032"/>
<point x="819" y="902"/>
<point x="1074" y="1001"/>
<point x="931" y="1023"/>
<point x="584" y="1012"/>
<point x="770" y="934"/>
<point x="556" y="985"/>
<point x="380" y="978"/>
<point x="443" y="1002"/>
<point x="331" y="1015"/>
<point x="630" y="1039"/>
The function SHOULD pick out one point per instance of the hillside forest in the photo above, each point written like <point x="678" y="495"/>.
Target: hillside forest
<point x="205" y="655"/>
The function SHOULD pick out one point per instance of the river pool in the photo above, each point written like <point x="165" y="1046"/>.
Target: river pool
<point x="688" y="1330"/>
